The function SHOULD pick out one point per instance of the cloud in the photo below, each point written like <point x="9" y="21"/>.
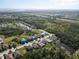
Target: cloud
<point x="62" y="4"/>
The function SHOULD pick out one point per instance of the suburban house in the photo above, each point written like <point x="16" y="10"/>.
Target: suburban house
<point x="1" y="40"/>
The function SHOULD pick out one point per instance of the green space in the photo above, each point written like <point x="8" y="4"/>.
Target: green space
<point x="15" y="38"/>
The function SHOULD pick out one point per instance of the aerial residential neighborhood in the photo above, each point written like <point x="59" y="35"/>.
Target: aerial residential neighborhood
<point x="30" y="33"/>
<point x="29" y="43"/>
<point x="39" y="29"/>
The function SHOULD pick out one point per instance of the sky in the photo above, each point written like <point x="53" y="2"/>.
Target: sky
<point x="39" y="4"/>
